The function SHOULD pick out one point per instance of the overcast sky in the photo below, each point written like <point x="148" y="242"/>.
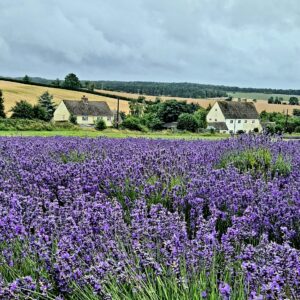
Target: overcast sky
<point x="232" y="42"/>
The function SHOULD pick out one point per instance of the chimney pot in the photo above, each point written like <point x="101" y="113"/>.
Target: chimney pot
<point x="84" y="99"/>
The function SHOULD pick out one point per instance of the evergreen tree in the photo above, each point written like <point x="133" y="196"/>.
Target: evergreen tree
<point x="46" y="102"/>
<point x="26" y="79"/>
<point x="2" y="113"/>
<point x="22" y="110"/>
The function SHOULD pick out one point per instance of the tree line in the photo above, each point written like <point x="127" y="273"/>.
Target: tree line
<point x="156" y="115"/>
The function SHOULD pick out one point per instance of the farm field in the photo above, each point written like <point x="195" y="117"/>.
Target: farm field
<point x="14" y="92"/>
<point x="149" y="219"/>
<point x="259" y="96"/>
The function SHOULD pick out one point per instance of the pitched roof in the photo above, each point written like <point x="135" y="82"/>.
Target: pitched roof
<point x="218" y="125"/>
<point x="238" y="110"/>
<point x="88" y="108"/>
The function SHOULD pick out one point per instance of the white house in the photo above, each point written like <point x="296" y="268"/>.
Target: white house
<point x="231" y="117"/>
<point x="86" y="112"/>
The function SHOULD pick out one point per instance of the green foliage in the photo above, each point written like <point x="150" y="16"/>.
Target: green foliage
<point x="22" y="110"/>
<point x="136" y="108"/>
<point x="296" y="112"/>
<point x="46" y="102"/>
<point x="100" y="124"/>
<point x="39" y="113"/>
<point x="71" y="81"/>
<point x="185" y="90"/>
<point x="73" y="119"/>
<point x="169" y="111"/>
<point x="282" y="122"/>
<point x="294" y="101"/>
<point x="24" y="124"/>
<point x="32" y="125"/>
<point x="133" y="123"/>
<point x="187" y="122"/>
<point x="56" y="82"/>
<point x="26" y="79"/>
<point x="256" y="161"/>
<point x="73" y="156"/>
<point x="200" y="116"/>
<point x="2" y="112"/>
<point x="151" y="121"/>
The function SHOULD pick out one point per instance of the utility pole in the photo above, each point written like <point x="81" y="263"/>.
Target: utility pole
<point x="118" y="111"/>
<point x="286" y="120"/>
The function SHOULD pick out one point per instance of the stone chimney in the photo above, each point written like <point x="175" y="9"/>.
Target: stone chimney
<point x="84" y="99"/>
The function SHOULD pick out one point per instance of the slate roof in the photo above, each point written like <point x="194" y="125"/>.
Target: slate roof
<point x="88" y="108"/>
<point x="238" y="110"/>
<point x="218" y="125"/>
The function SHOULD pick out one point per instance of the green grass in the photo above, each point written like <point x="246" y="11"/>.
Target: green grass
<point x="113" y="133"/>
<point x="258" y="96"/>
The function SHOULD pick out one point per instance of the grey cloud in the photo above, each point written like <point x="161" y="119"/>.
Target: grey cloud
<point x="246" y="43"/>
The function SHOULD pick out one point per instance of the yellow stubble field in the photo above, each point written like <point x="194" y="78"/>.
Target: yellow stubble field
<point x="14" y="92"/>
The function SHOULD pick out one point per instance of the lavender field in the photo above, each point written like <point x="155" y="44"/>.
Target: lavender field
<point x="149" y="219"/>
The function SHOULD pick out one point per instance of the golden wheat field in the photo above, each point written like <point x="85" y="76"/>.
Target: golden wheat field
<point x="261" y="104"/>
<point x="14" y="92"/>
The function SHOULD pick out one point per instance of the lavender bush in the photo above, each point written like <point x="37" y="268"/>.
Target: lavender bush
<point x="149" y="219"/>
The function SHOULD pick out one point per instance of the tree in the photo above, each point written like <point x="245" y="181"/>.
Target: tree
<point x="26" y="79"/>
<point x="39" y="113"/>
<point x="187" y="122"/>
<point x="296" y="112"/>
<point x="294" y="101"/>
<point x="73" y="119"/>
<point x="22" y="110"/>
<point x="100" y="124"/>
<point x="133" y="123"/>
<point x="72" y="81"/>
<point x="46" y="102"/>
<point x="170" y="110"/>
<point x="152" y="121"/>
<point x="200" y="116"/>
<point x="136" y="108"/>
<point x="271" y="100"/>
<point x="56" y="82"/>
<point x="2" y="112"/>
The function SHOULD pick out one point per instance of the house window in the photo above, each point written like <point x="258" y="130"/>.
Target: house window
<point x="108" y="118"/>
<point x="239" y="121"/>
<point x="216" y="120"/>
<point x="231" y="121"/>
<point x="216" y="109"/>
<point x="85" y="118"/>
<point x="245" y="121"/>
<point x="209" y="119"/>
<point x="253" y="121"/>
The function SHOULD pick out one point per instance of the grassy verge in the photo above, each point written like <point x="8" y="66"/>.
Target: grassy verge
<point x="113" y="133"/>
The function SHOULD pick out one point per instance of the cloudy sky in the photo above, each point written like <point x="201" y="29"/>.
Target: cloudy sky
<point x="232" y="42"/>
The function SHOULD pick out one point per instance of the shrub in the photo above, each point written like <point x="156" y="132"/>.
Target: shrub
<point x="256" y="130"/>
<point x="100" y="124"/>
<point x="73" y="119"/>
<point x="187" y="122"/>
<point x="240" y="132"/>
<point x="35" y="125"/>
<point x="256" y="161"/>
<point x="133" y="123"/>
